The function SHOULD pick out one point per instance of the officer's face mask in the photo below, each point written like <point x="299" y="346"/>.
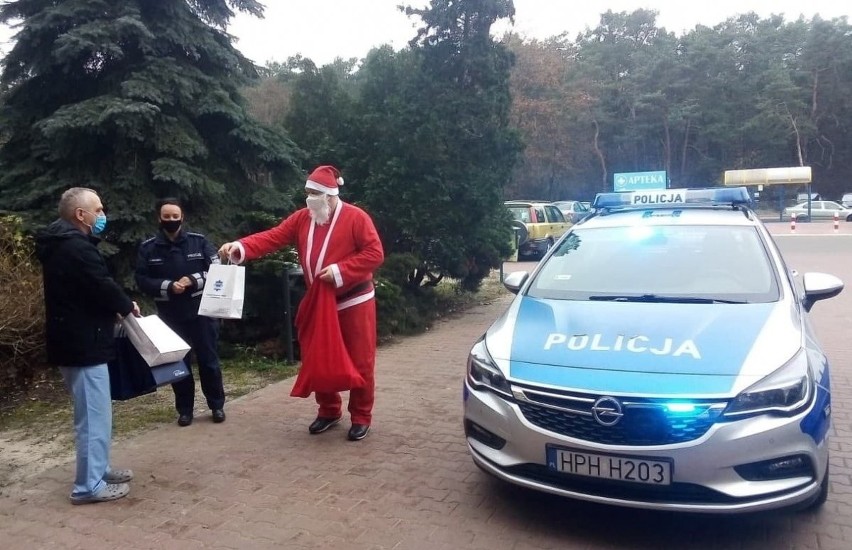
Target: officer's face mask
<point x="170" y="226"/>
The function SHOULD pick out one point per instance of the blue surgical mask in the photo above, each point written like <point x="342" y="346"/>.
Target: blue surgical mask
<point x="100" y="222"/>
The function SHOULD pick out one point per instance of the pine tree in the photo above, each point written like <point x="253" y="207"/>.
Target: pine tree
<point x="137" y="99"/>
<point x="437" y="120"/>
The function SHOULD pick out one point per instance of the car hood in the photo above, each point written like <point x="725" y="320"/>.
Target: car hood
<point x="644" y="348"/>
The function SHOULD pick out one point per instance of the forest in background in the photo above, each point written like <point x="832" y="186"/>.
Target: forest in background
<point x="629" y="96"/>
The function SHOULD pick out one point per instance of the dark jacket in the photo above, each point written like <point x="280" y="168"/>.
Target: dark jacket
<point x="161" y="262"/>
<point x="81" y="298"/>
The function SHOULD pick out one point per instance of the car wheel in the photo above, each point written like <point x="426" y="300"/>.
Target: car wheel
<point x="849" y="218"/>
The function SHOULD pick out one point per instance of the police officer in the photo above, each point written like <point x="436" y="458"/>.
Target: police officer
<point x="172" y="267"/>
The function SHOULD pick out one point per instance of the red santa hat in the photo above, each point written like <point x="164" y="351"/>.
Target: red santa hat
<point x="325" y="179"/>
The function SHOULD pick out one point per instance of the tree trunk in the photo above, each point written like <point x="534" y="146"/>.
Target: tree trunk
<point x="600" y="155"/>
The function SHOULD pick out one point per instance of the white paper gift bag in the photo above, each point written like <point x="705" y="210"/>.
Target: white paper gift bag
<point x="224" y="292"/>
<point x="154" y="340"/>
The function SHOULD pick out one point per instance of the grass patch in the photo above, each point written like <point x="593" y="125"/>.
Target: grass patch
<point x="249" y="371"/>
<point x="133" y="415"/>
<point x="33" y="414"/>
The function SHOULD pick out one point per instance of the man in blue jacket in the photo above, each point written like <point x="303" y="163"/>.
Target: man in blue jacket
<point x="82" y="303"/>
<point x="172" y="267"/>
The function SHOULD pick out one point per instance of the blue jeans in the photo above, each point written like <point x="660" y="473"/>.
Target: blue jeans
<point x="89" y="387"/>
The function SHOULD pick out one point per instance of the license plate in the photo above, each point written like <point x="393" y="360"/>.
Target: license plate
<point x="620" y="468"/>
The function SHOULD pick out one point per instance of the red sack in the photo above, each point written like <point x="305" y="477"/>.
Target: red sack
<point x="326" y="365"/>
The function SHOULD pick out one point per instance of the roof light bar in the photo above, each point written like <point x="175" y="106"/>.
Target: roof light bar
<point x="673" y="197"/>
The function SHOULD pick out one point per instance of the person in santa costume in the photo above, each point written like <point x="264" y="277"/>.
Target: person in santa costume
<point x="339" y="248"/>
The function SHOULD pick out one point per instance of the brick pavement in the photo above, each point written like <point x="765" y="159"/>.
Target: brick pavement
<point x="260" y="481"/>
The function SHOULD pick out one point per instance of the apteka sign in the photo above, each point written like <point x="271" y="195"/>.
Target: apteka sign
<point x="637" y="181"/>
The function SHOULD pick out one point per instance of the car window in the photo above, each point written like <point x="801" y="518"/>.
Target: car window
<point x="580" y="207"/>
<point x="715" y="262"/>
<point x="554" y="215"/>
<point x="520" y="213"/>
<point x="831" y="205"/>
<point x="539" y="215"/>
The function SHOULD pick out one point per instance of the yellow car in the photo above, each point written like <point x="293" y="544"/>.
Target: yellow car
<point x="540" y="224"/>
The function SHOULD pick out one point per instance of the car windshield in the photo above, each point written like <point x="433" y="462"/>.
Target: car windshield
<point x="659" y="263"/>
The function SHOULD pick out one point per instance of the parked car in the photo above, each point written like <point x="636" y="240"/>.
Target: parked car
<point x="543" y="223"/>
<point x="820" y="210"/>
<point x="846" y="200"/>
<point x="574" y="211"/>
<point x="660" y="356"/>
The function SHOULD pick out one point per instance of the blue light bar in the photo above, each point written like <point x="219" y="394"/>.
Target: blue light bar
<point x="674" y="197"/>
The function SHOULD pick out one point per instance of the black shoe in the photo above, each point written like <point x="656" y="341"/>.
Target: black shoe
<point x="358" y="432"/>
<point x="218" y="416"/>
<point x="184" y="420"/>
<point x="322" y="424"/>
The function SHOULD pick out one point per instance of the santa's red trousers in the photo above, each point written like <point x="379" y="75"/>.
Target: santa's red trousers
<point x="358" y="326"/>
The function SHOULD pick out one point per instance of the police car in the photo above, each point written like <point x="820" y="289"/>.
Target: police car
<point x="661" y="357"/>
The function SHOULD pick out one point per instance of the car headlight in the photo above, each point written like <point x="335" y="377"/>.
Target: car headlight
<point x="483" y="373"/>
<point x="785" y="392"/>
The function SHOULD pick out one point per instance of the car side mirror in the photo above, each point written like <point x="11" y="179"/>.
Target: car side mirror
<point x="515" y="280"/>
<point x="820" y="286"/>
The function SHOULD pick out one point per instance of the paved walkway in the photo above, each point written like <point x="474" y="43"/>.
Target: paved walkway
<point x="261" y="481"/>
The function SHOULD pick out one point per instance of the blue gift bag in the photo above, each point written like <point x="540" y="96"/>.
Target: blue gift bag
<point x="130" y="376"/>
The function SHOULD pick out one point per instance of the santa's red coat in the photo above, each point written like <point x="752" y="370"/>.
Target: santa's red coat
<point x="350" y="244"/>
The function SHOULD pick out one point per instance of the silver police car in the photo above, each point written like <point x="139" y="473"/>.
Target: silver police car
<point x="661" y="357"/>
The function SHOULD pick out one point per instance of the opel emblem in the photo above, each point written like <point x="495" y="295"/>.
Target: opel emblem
<point x="607" y="411"/>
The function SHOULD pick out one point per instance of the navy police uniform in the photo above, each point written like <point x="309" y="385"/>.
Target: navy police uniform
<point x="160" y="263"/>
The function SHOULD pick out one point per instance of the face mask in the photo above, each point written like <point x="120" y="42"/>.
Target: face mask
<point x="100" y="222"/>
<point x="170" y="226"/>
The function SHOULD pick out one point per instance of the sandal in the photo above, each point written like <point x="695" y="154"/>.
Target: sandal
<point x="118" y="476"/>
<point x="112" y="491"/>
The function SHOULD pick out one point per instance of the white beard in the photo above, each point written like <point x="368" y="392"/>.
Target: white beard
<point x="319" y="208"/>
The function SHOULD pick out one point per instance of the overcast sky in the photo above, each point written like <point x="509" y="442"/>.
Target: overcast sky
<point x="325" y="29"/>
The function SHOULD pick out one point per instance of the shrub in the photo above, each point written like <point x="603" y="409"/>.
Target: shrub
<point x="21" y="306"/>
<point x="403" y="308"/>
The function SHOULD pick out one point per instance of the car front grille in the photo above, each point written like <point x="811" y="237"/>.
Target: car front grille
<point x="642" y="422"/>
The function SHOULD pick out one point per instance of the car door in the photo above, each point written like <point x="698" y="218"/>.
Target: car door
<point x="580" y="212"/>
<point x="541" y="227"/>
<point x="558" y="224"/>
<point x="832" y="208"/>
